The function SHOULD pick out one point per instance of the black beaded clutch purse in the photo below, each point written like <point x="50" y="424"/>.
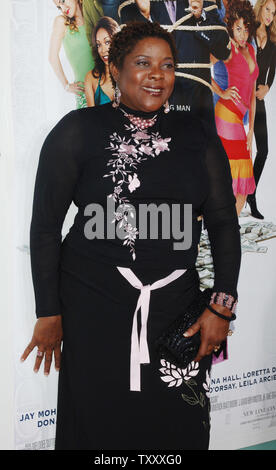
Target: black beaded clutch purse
<point x="172" y="345"/>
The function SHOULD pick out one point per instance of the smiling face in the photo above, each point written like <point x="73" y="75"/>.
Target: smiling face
<point x="267" y="13"/>
<point x="240" y="32"/>
<point x="103" y="41"/>
<point x="146" y="79"/>
<point x="67" y="7"/>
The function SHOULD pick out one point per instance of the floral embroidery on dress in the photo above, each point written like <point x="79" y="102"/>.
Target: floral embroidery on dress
<point x="127" y="155"/>
<point x="133" y="182"/>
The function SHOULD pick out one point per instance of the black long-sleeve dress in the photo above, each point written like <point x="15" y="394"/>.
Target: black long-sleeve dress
<point x="114" y="392"/>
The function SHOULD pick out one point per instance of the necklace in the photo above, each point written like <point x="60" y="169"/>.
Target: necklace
<point x="141" y="123"/>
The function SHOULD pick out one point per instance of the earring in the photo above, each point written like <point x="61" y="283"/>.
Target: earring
<point x="166" y="107"/>
<point x="117" y="96"/>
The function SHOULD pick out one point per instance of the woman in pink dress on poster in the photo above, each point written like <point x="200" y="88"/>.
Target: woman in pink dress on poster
<point x="239" y="97"/>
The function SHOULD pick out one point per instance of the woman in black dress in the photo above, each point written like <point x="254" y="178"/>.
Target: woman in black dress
<point x="266" y="59"/>
<point x="114" y="391"/>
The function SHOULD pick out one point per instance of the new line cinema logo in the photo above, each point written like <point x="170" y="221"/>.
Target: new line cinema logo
<point x="154" y="220"/>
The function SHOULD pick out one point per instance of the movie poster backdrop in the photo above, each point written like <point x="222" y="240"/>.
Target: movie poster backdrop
<point x="243" y="387"/>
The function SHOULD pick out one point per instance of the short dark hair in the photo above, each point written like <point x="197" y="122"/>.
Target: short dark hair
<point x="125" y="41"/>
<point x="237" y="9"/>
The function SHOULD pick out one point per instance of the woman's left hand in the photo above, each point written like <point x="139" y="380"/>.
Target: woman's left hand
<point x="213" y="330"/>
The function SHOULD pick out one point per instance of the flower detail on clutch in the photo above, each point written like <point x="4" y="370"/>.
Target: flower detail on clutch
<point x="175" y="376"/>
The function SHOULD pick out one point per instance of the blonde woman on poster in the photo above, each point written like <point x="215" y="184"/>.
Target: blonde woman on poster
<point x="69" y="32"/>
<point x="266" y="58"/>
<point x="98" y="84"/>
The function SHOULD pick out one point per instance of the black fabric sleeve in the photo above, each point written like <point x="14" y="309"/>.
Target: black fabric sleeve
<point x="272" y="65"/>
<point x="221" y="220"/>
<point x="57" y="175"/>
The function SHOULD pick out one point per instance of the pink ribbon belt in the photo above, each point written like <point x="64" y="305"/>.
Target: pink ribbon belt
<point x="139" y="347"/>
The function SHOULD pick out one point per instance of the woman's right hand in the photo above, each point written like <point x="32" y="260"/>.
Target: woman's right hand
<point x="77" y="88"/>
<point x="231" y="93"/>
<point x="47" y="337"/>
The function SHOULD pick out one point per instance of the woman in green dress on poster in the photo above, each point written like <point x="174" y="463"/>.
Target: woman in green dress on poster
<point x="69" y="31"/>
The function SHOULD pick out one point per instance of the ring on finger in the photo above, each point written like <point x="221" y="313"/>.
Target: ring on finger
<point x="216" y="348"/>
<point x="39" y="353"/>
